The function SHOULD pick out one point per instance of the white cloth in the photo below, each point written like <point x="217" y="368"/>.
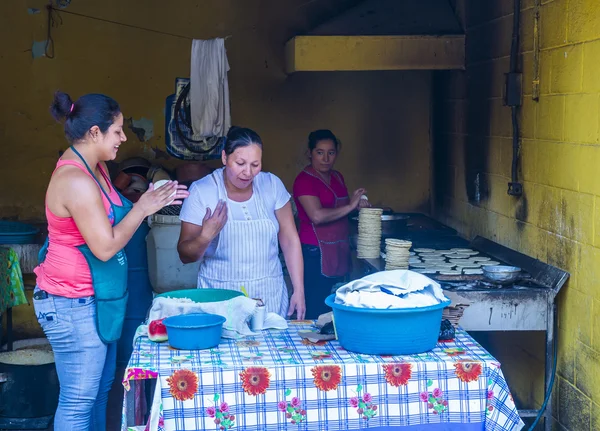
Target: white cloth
<point x="204" y="194"/>
<point x="405" y="289"/>
<point x="236" y="311"/>
<point x="247" y="254"/>
<point x="209" y="88"/>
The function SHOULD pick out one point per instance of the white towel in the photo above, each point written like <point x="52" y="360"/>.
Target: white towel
<point x="237" y="311"/>
<point x="407" y="289"/>
<point x="209" y="89"/>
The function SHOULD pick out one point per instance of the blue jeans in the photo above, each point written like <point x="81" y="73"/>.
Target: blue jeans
<point x="85" y="365"/>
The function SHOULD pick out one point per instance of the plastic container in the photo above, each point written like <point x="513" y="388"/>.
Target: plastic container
<point x="194" y="331"/>
<point x="167" y="272"/>
<point x="140" y="292"/>
<point x="401" y="331"/>
<point x="12" y="232"/>
<point x="27" y="369"/>
<point x="203" y="295"/>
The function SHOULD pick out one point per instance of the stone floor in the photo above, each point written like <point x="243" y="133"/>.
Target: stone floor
<point x="115" y="404"/>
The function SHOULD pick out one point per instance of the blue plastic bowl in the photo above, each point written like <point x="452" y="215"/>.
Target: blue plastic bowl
<point x="194" y="331"/>
<point x="402" y="331"/>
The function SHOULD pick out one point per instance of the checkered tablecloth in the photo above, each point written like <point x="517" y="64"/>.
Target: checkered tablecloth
<point x="278" y="381"/>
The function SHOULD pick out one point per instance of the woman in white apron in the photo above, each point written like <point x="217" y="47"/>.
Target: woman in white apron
<point x="234" y="222"/>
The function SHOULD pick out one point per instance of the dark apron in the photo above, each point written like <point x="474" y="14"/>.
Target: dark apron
<point x="109" y="278"/>
<point x="333" y="237"/>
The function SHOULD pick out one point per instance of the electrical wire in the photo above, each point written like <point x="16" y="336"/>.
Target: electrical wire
<point x="54" y="20"/>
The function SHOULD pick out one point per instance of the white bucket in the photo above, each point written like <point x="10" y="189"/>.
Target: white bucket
<point x="165" y="269"/>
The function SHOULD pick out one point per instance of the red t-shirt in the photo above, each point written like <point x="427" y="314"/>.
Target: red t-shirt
<point x="307" y="185"/>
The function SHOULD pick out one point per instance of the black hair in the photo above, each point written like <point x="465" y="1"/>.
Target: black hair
<point x="322" y="135"/>
<point x="239" y="137"/>
<point x="80" y="116"/>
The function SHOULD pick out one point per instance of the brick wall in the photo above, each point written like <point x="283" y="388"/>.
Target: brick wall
<point x="558" y="218"/>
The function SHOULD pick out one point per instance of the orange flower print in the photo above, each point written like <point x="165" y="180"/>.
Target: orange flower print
<point x="255" y="380"/>
<point x="398" y="374"/>
<point x="183" y="384"/>
<point x="467" y="371"/>
<point x="327" y="377"/>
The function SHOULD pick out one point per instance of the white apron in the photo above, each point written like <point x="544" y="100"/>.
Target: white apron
<point x="247" y="255"/>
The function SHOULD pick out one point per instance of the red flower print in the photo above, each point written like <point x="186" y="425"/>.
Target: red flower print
<point x="354" y="402"/>
<point x="424" y="396"/>
<point x="295" y="402"/>
<point x="307" y="342"/>
<point x="282" y="406"/>
<point x="211" y="411"/>
<point x="183" y="384"/>
<point x="367" y="397"/>
<point x="224" y="407"/>
<point x="467" y="371"/>
<point x="437" y="393"/>
<point x="398" y="374"/>
<point x="490" y="394"/>
<point x="255" y="380"/>
<point x="327" y="377"/>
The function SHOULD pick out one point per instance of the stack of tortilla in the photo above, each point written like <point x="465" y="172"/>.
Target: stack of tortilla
<point x="456" y="261"/>
<point x="396" y="254"/>
<point x="369" y="233"/>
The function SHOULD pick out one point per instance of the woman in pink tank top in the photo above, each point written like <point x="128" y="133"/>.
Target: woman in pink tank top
<point x="89" y="224"/>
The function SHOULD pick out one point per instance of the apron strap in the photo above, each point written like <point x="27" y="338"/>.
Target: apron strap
<point x="94" y="176"/>
<point x="306" y="170"/>
<point x="260" y="205"/>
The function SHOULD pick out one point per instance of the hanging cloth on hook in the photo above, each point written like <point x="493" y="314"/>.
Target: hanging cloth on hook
<point x="209" y="88"/>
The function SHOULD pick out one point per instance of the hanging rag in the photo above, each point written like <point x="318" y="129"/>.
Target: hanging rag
<point x="209" y="89"/>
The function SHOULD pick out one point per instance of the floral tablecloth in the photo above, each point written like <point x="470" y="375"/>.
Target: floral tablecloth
<point x="12" y="291"/>
<point x="278" y="381"/>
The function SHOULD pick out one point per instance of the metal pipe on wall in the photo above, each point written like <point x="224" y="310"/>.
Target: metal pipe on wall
<point x="514" y="99"/>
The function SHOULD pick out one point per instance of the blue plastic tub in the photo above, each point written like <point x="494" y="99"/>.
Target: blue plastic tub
<point x="194" y="331"/>
<point x="403" y="331"/>
<point x="12" y="232"/>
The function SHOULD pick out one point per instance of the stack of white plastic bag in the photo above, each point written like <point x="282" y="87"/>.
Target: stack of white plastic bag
<point x="391" y="289"/>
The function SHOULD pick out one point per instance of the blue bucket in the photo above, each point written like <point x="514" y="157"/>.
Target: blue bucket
<point x="194" y="331"/>
<point x="399" y="331"/>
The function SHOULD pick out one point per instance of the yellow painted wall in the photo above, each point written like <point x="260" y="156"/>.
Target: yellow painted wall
<point x="381" y="117"/>
<point x="557" y="218"/>
<point x="133" y="50"/>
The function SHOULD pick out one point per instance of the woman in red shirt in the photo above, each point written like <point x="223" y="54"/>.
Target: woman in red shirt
<point x="323" y="204"/>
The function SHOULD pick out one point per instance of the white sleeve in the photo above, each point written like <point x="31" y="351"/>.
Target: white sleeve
<point x="194" y="207"/>
<point x="280" y="193"/>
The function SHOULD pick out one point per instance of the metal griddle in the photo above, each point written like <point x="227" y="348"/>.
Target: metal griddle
<point x="526" y="305"/>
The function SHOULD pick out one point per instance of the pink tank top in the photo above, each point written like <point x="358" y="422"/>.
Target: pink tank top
<point x="65" y="271"/>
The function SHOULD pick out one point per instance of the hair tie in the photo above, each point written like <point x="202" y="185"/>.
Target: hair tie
<point x="72" y="106"/>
